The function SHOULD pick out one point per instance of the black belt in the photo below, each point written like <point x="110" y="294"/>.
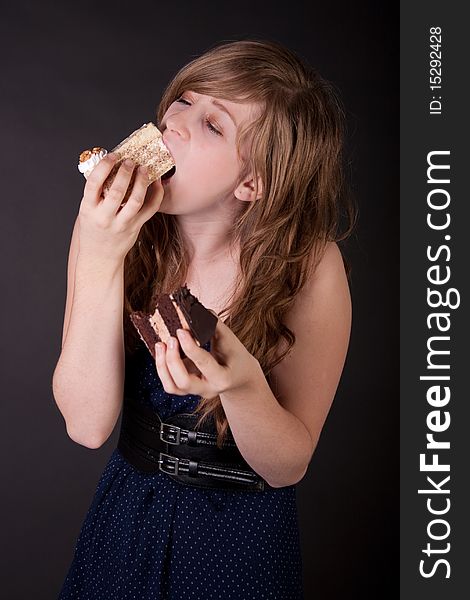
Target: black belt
<point x="186" y="455"/>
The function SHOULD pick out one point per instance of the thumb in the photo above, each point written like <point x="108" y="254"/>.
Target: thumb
<point x="153" y="200"/>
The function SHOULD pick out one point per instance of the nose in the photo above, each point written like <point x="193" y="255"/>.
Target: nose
<point x="175" y="125"/>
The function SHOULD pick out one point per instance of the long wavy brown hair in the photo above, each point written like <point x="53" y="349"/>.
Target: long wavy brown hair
<point x="296" y="147"/>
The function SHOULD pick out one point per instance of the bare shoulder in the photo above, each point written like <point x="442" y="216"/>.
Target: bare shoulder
<point x="306" y="380"/>
<point x="331" y="262"/>
<point x="326" y="291"/>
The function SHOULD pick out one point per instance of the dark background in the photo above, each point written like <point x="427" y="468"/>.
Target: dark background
<point x="82" y="74"/>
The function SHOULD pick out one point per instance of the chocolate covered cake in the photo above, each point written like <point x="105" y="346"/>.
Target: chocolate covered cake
<point x="178" y="310"/>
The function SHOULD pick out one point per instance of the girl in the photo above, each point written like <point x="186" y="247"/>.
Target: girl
<point x="249" y="222"/>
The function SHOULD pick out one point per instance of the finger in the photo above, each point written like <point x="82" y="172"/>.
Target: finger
<point x="191" y="367"/>
<point x="211" y="370"/>
<point x="195" y="385"/>
<point x="94" y="182"/>
<point x="153" y="200"/>
<point x="177" y="369"/>
<point x="162" y="369"/>
<point x="137" y="196"/>
<point x="115" y="194"/>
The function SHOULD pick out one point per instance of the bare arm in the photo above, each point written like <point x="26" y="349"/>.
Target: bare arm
<point x="88" y="381"/>
<point x="72" y="264"/>
<point x="304" y="382"/>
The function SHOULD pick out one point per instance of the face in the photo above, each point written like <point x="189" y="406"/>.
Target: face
<point x="200" y="132"/>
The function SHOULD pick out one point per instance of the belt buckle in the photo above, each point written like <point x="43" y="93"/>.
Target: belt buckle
<point x="172" y="429"/>
<point x="175" y="464"/>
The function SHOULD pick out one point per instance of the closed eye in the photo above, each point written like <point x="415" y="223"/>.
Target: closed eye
<point x="209" y="125"/>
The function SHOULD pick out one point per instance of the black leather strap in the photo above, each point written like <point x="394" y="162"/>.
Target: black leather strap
<point x="187" y="455"/>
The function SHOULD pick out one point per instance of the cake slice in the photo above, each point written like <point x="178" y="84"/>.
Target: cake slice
<point x="178" y="310"/>
<point x="144" y="146"/>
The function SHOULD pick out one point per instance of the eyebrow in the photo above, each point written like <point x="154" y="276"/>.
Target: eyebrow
<point x="221" y="106"/>
<point x="224" y="109"/>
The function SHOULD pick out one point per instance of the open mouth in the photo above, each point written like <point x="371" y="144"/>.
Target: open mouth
<point x="169" y="173"/>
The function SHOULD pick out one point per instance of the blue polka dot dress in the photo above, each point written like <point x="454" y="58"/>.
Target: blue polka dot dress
<point x="149" y="537"/>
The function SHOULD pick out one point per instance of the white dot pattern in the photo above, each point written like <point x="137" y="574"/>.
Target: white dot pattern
<point x="149" y="537"/>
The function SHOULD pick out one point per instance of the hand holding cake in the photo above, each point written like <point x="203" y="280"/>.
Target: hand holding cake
<point x="115" y="203"/>
<point x="179" y="326"/>
<point x="144" y="146"/>
<point x="228" y="367"/>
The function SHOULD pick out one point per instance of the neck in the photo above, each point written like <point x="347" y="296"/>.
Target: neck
<point x="207" y="240"/>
